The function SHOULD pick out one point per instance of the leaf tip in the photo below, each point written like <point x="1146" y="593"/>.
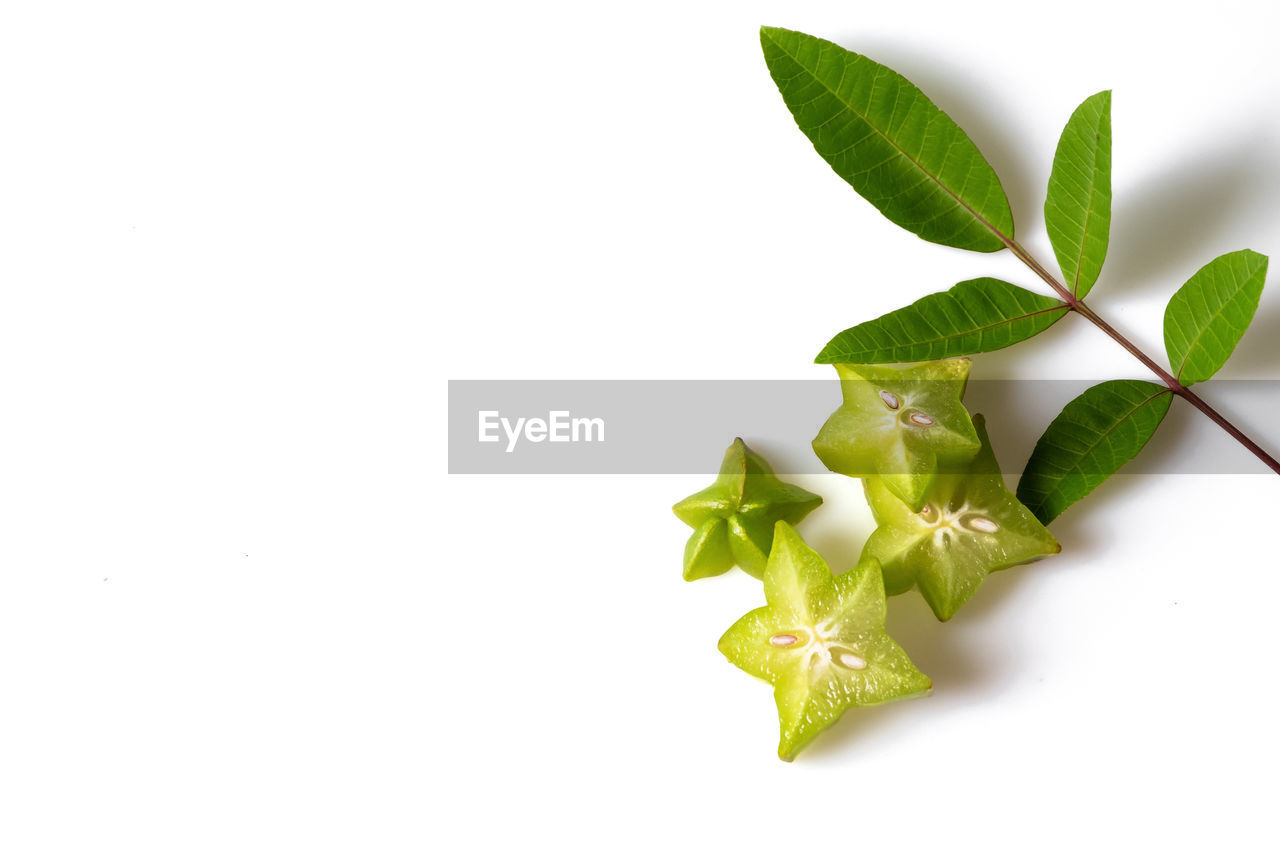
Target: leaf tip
<point x="828" y="355"/>
<point x="770" y="33"/>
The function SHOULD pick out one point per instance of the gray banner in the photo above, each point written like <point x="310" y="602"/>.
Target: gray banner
<point x="684" y="426"/>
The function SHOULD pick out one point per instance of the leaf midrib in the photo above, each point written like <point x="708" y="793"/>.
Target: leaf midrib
<point x="1084" y="237"/>
<point x="1088" y="213"/>
<point x="988" y="327"/>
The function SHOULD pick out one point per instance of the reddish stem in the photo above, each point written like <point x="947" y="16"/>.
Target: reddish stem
<point x="1176" y="387"/>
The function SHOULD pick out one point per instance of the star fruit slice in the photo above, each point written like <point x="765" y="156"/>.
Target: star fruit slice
<point x="733" y="518"/>
<point x="899" y="423"/>
<point x="820" y="641"/>
<point x="970" y="525"/>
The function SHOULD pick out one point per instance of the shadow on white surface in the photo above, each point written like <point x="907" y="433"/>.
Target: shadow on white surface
<point x="969" y="659"/>
<point x="1256" y="353"/>
<point x="1176" y="221"/>
<point x="839" y="546"/>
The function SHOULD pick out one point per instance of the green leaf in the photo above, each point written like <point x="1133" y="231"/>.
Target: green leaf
<point x="1093" y="436"/>
<point x="1208" y="315"/>
<point x="981" y="315"/>
<point x="882" y="135"/>
<point x="1077" y="210"/>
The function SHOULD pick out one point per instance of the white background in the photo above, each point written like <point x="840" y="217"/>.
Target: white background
<point x="244" y="607"/>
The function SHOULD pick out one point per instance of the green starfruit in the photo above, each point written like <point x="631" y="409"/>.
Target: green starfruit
<point x="969" y="525"/>
<point x="733" y="518"/>
<point x="820" y="641"/>
<point x="899" y="424"/>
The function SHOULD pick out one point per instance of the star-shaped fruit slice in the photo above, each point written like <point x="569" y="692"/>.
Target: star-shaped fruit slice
<point x="900" y="424"/>
<point x="970" y="524"/>
<point x="733" y="518"/>
<point x="820" y="642"/>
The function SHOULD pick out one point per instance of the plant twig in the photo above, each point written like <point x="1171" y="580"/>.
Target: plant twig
<point x="1077" y="305"/>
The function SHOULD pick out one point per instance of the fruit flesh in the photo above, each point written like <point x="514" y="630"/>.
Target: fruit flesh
<point x="820" y="641"/>
<point x="968" y="526"/>
<point x="899" y="424"/>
